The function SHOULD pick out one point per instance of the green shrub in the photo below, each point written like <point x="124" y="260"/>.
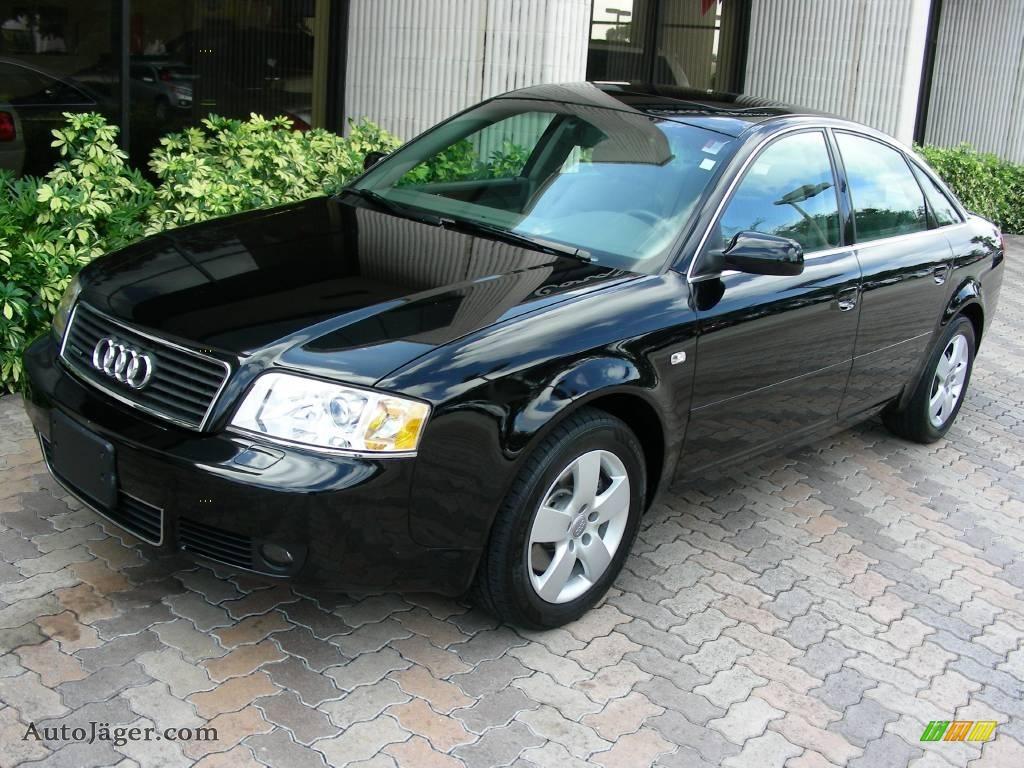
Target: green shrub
<point x="92" y="203"/>
<point x="89" y="204"/>
<point x="986" y="185"/>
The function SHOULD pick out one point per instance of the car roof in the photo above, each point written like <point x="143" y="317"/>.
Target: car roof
<point x="728" y="113"/>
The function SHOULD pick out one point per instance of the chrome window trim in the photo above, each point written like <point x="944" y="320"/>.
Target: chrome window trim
<point x="66" y="486"/>
<point x="158" y="340"/>
<point x="756" y="151"/>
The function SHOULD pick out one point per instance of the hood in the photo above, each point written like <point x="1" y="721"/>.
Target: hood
<point x="328" y="286"/>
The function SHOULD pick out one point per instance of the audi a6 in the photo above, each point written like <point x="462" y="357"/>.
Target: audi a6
<point x="473" y="369"/>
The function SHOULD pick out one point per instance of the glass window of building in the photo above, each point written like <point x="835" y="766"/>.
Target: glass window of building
<point x="57" y="56"/>
<point x="689" y="43"/>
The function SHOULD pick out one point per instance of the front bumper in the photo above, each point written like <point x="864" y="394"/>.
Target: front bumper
<point x="226" y="498"/>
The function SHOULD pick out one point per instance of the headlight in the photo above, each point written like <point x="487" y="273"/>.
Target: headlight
<point x="325" y="415"/>
<point x="67" y="302"/>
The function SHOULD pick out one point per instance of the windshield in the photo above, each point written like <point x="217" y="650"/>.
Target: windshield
<point x="618" y="185"/>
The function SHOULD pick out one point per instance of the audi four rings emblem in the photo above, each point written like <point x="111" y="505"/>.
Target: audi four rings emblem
<point x="121" y="362"/>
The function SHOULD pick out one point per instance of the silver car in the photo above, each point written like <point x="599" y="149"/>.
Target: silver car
<point x="165" y="85"/>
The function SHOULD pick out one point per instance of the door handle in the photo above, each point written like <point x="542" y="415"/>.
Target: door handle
<point x="846" y="299"/>
<point x="940" y="274"/>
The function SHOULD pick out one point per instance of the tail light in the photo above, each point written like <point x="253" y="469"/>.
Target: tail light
<point x="7" y="130"/>
<point x="165" y="76"/>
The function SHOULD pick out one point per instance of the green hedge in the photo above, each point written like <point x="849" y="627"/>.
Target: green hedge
<point x="92" y="202"/>
<point x="986" y="185"/>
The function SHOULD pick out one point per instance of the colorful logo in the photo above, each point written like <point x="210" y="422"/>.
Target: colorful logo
<point x="958" y="730"/>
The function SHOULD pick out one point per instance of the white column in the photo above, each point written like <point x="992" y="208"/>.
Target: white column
<point x="412" y="63"/>
<point x="860" y="59"/>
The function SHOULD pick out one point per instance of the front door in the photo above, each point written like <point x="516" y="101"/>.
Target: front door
<point x="774" y="353"/>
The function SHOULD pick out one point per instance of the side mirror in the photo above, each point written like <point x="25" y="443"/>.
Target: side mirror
<point x="372" y="158"/>
<point x="760" y="254"/>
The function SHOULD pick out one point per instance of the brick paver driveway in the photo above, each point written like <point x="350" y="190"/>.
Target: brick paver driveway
<point x="819" y="609"/>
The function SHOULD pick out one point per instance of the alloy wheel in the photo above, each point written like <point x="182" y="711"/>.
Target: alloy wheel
<point x="948" y="383"/>
<point x="578" y="527"/>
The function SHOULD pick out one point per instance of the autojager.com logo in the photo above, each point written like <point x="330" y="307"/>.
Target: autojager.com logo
<point x="959" y="730"/>
<point x="93" y="731"/>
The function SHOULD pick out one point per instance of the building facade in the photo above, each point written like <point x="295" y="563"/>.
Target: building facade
<point x="922" y="70"/>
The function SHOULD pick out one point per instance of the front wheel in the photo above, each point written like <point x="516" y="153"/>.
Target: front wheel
<point x="567" y="525"/>
<point x="936" y="401"/>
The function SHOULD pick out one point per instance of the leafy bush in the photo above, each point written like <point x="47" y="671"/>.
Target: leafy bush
<point x="92" y="202"/>
<point x="986" y="185"/>
<point x="89" y="204"/>
<point x="228" y="166"/>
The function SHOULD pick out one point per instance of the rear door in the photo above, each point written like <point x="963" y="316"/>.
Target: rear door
<point x="773" y="353"/>
<point x="906" y="268"/>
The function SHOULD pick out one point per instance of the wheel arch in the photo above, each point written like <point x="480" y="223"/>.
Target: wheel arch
<point x="967" y="300"/>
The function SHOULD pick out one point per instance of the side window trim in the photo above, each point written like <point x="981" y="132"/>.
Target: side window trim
<point x="853" y="213"/>
<point x="918" y="170"/>
<point x="696" y="271"/>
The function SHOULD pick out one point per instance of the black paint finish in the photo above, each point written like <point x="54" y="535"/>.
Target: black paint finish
<point x="503" y="341"/>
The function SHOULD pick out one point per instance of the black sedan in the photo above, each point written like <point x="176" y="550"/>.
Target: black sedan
<point x="474" y="369"/>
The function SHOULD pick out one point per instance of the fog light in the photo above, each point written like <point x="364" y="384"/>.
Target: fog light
<point x="277" y="555"/>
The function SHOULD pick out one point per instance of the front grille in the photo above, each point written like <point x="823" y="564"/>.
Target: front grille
<point x="184" y="384"/>
<point x="215" y="543"/>
<point x="133" y="514"/>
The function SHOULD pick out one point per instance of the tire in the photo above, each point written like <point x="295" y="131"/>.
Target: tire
<point x="519" y="576"/>
<point x="940" y="392"/>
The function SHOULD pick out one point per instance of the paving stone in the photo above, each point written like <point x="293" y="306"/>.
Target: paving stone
<point x="613" y="682"/>
<point x="730" y="686"/>
<point x="243" y="660"/>
<point x="322" y="623"/>
<point x="251" y="630"/>
<point x="442" y="695"/>
<point x="542" y="688"/>
<point x="746" y="719"/>
<point x="368" y="638"/>
<point x="768" y="751"/>
<point x="887" y="752"/>
<point x="366" y="669"/>
<point x="101" y="685"/>
<point x="51" y="664"/>
<point x="444" y="733"/>
<point x="182" y="677"/>
<point x="27" y="634"/>
<point x="621" y="716"/>
<point x="863" y="722"/>
<point x="307" y="724"/>
<point x="372" y="610"/>
<point x="33" y="700"/>
<point x="24" y="611"/>
<point x="236" y="693"/>
<point x="193" y="645"/>
<point x="278" y="748"/>
<point x="131" y="622"/>
<point x="231" y="728"/>
<point x="316" y="653"/>
<point x="418" y="751"/>
<point x="68" y="632"/>
<point x="312" y="687"/>
<point x="364" y="703"/>
<point x="711" y="745"/>
<point x="566" y="670"/>
<point x="490" y="676"/>
<point x="155" y="702"/>
<point x="113" y="653"/>
<point x="843" y="688"/>
<point x="362" y="741"/>
<point x="499" y="746"/>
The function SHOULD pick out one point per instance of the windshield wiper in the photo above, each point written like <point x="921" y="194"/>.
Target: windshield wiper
<point x="535" y="243"/>
<point x="403" y="211"/>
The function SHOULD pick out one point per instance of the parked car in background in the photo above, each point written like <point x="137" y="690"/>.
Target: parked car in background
<point x="37" y="100"/>
<point x="164" y="86"/>
<point x="12" y="140"/>
<point x="475" y="367"/>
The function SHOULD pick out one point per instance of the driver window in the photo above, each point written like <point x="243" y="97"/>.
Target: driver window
<point x="788" y="191"/>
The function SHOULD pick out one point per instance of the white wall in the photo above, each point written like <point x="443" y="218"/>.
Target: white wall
<point x="978" y="81"/>
<point x="860" y="59"/>
<point x="412" y="63"/>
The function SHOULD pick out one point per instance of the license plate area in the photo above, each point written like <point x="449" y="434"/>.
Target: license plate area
<point x="83" y="460"/>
